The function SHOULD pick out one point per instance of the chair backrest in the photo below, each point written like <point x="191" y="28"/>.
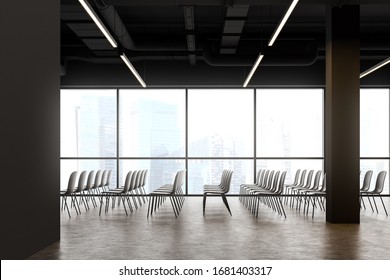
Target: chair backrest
<point x="108" y="178"/>
<point x="91" y="177"/>
<point x="317" y="179"/>
<point x="143" y="179"/>
<point x="303" y="177"/>
<point x="270" y="178"/>
<point x="71" y="182"/>
<point x="224" y="175"/>
<point x="275" y="182"/>
<point x="128" y="179"/>
<point x="296" y="179"/>
<point x="138" y="179"/>
<point x="98" y="179"/>
<point x="380" y="182"/>
<point x="104" y="178"/>
<point x="366" y="181"/>
<point x="260" y="181"/>
<point x="281" y="183"/>
<point x="258" y="177"/>
<point x="82" y="179"/>
<point x="133" y="180"/>
<point x="323" y="187"/>
<point x="178" y="181"/>
<point x="225" y="180"/>
<point x="309" y="179"/>
<point x="265" y="179"/>
<point x="126" y="186"/>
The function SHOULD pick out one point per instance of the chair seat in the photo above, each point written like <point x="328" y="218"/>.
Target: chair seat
<point x="214" y="192"/>
<point x="262" y="191"/>
<point x="162" y="192"/>
<point x="114" y="191"/>
<point x="211" y="188"/>
<point x="164" y="189"/>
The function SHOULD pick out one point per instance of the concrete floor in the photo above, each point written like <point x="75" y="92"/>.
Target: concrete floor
<point x="217" y="235"/>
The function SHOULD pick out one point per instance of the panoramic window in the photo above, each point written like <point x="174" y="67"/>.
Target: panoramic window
<point x="88" y="130"/>
<point x="374" y="123"/>
<point x="220" y="123"/>
<point x="152" y="123"/>
<point x="201" y="130"/>
<point x="374" y="134"/>
<point x="290" y="123"/>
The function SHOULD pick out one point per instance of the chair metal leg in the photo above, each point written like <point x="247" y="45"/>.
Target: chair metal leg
<point x="204" y="202"/>
<point x="226" y="203"/>
<point x="66" y="206"/>
<point x="373" y="198"/>
<point x="150" y="201"/>
<point x="124" y="205"/>
<point x="173" y="206"/>
<point x="383" y="206"/>
<point x="368" y="198"/>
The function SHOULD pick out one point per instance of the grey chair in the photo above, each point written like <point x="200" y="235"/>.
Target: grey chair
<point x="106" y="185"/>
<point x="221" y="189"/>
<point x="78" y="192"/>
<point x="380" y="182"/>
<point x="97" y="182"/>
<point x="318" y="196"/>
<point x="69" y="191"/>
<point x="88" y="189"/>
<point x="365" y="186"/>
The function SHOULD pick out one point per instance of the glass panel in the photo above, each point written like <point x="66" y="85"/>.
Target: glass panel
<point x="291" y="166"/>
<point x="374" y="122"/>
<point x="160" y="171"/>
<point x="152" y="123"/>
<point x="376" y="166"/>
<point x="88" y="123"/>
<point x="220" y="122"/>
<point x="201" y="172"/>
<point x="68" y="166"/>
<point x="290" y="122"/>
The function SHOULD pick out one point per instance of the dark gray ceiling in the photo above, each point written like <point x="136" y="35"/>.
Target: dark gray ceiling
<point x="215" y="33"/>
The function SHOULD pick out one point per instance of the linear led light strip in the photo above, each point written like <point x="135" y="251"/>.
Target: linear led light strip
<point x="254" y="67"/>
<point x="271" y="42"/>
<point x="283" y="22"/>
<point x="132" y="69"/>
<point x="98" y="22"/>
<point x="111" y="39"/>
<point x="375" y="67"/>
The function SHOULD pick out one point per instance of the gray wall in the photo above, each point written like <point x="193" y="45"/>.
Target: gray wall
<point x="29" y="114"/>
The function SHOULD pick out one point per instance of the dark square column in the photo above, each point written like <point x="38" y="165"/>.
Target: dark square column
<point x="30" y="126"/>
<point x="342" y="148"/>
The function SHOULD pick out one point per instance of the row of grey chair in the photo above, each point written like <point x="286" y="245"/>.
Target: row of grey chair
<point x="134" y="187"/>
<point x="304" y="190"/>
<point x="221" y="189"/>
<point x="376" y="192"/>
<point x="174" y="191"/>
<point x="87" y="188"/>
<point x="267" y="189"/>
